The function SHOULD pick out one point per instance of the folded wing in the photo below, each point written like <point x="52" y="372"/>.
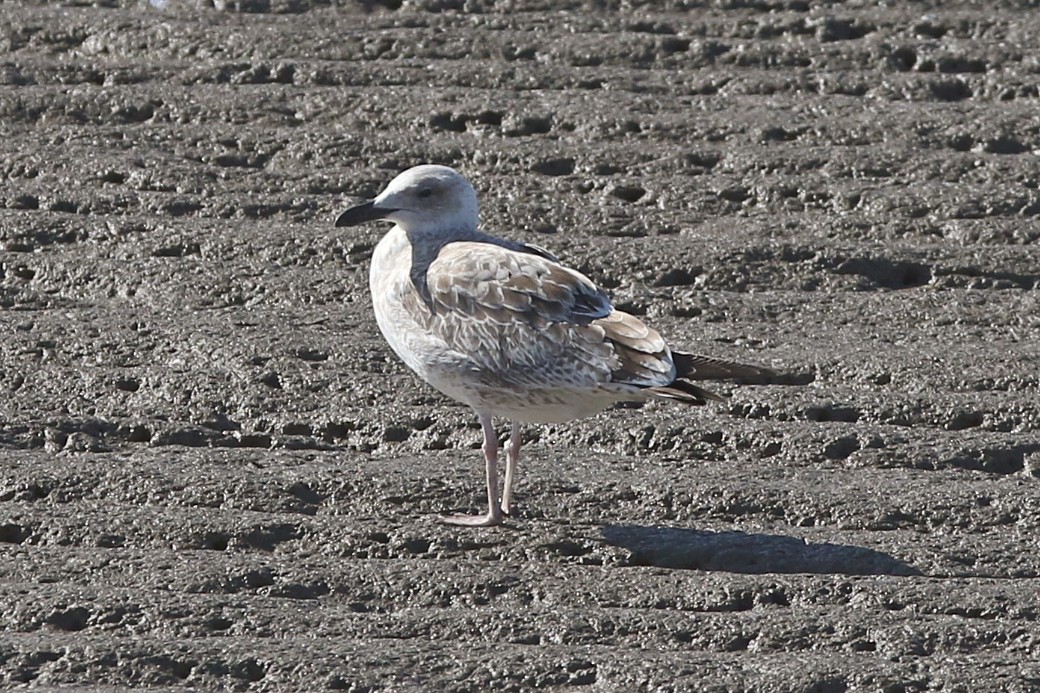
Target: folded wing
<point x="523" y="319"/>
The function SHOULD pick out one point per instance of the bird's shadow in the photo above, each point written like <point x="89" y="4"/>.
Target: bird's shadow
<point x="738" y="552"/>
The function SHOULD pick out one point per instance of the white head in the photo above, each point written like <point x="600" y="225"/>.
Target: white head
<point x="423" y="199"/>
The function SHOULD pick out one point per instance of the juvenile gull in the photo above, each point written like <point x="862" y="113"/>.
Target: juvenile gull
<point x="505" y="328"/>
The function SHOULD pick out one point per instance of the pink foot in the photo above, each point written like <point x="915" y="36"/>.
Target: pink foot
<point x="489" y="520"/>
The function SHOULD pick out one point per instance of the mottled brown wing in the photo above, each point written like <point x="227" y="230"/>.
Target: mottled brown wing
<point x="520" y="318"/>
<point x="493" y="283"/>
<point x="526" y="319"/>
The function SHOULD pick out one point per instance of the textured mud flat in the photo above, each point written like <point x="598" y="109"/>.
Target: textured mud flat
<point x="213" y="475"/>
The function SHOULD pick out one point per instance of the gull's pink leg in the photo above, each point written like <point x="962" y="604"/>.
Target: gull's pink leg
<point x="494" y="514"/>
<point x="512" y="458"/>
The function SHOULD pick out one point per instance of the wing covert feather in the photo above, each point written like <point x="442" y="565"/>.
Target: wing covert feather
<point x="525" y="319"/>
<point x="505" y="285"/>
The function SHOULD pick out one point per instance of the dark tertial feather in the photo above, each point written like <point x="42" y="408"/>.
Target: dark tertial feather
<point x="642" y="355"/>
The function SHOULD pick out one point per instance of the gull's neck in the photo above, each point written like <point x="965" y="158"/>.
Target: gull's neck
<point x="439" y="234"/>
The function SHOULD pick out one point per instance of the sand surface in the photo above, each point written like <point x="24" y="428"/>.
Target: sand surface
<point x="214" y="475"/>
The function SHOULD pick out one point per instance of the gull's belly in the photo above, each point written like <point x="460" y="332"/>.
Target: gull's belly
<point x="545" y="405"/>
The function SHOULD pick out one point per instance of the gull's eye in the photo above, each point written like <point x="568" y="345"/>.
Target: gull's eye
<point x="425" y="192"/>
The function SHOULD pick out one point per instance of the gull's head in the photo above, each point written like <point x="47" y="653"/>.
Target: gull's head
<point x="422" y="199"/>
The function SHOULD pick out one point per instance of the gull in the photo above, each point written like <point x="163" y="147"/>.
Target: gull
<point x="505" y="327"/>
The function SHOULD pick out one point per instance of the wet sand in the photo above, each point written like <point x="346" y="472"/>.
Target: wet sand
<point x="214" y="474"/>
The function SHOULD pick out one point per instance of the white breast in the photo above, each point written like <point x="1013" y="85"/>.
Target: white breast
<point x="434" y="361"/>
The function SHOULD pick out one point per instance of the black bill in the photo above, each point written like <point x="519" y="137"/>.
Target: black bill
<point x="362" y="213"/>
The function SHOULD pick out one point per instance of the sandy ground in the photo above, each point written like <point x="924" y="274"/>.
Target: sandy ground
<point x="213" y="474"/>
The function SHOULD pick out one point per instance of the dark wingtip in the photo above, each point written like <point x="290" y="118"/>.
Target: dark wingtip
<point x="685" y="392"/>
<point x="696" y="367"/>
<point x="361" y="213"/>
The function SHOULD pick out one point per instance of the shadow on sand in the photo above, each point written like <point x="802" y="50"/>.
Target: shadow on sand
<point x="737" y="552"/>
